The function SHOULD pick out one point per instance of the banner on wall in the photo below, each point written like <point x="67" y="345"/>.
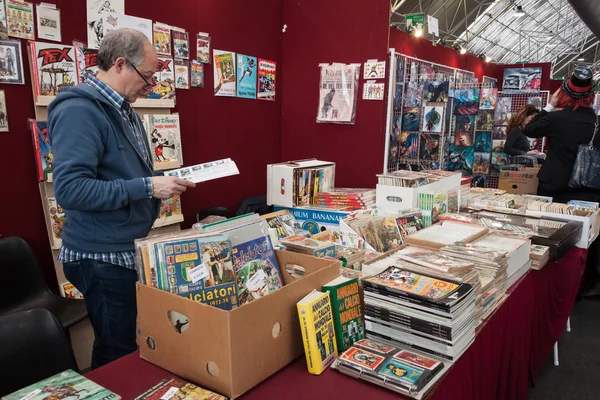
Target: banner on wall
<point x="338" y="90"/>
<point x="522" y="80"/>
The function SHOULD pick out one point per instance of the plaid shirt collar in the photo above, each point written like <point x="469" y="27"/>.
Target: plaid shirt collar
<point x="109" y="93"/>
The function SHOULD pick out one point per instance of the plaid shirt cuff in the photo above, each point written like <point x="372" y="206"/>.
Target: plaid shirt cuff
<point x="149" y="188"/>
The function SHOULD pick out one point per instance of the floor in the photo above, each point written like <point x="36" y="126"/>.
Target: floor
<point x="577" y="375"/>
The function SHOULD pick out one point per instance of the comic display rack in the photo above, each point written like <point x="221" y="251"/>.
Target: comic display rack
<point x="419" y="112"/>
<point x="81" y="334"/>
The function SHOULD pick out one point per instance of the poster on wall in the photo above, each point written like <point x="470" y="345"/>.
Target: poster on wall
<point x="20" y="19"/>
<point x="224" y="73"/>
<point x="48" y="22"/>
<point x="3" y="22"/>
<point x="3" y="114"/>
<point x="433" y="117"/>
<point x="373" y="91"/>
<point x="374" y="69"/>
<point x="196" y="74"/>
<point x="267" y="76"/>
<point x="246" y="72"/>
<point x="12" y="68"/>
<point x="338" y="89"/>
<point x="95" y="9"/>
<point x="181" y="44"/>
<point x="522" y="80"/>
<point x="182" y="74"/>
<point x="161" y="39"/>
<point x="114" y="21"/>
<point x="203" y="48"/>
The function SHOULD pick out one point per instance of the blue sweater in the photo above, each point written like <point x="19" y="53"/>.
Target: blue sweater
<point x="98" y="174"/>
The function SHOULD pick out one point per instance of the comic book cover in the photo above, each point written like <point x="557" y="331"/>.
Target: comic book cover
<point x="203" y="48"/>
<point x="413" y="283"/>
<point x="86" y="61"/>
<point x="408" y="145"/>
<point x="433" y="118"/>
<point x="224" y="73"/>
<point x="182" y="74"/>
<point x="63" y="385"/>
<point x="165" y="140"/>
<point x="3" y="21"/>
<point x="246" y="72"/>
<point x="483" y="142"/>
<point x="3" y="114"/>
<point x="200" y="269"/>
<point x="429" y="147"/>
<point x="170" y="207"/>
<point x="196" y="74"/>
<point x="463" y="133"/>
<point x="411" y="118"/>
<point x="56" y="221"/>
<point x="161" y="38"/>
<point x="112" y="21"/>
<point x="481" y="165"/>
<point x="20" y="19"/>
<point x="165" y="78"/>
<point x="488" y="99"/>
<point x="95" y="9"/>
<point x="54" y="67"/>
<point x="69" y="291"/>
<point x="48" y="22"/>
<point x="267" y="75"/>
<point x="43" y="151"/>
<point x="181" y="44"/>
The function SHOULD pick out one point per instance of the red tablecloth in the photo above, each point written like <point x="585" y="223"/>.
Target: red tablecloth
<point x="511" y="347"/>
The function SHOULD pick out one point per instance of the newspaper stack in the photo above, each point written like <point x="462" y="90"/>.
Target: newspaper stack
<point x="491" y="264"/>
<point x="436" y="316"/>
<point x="539" y="256"/>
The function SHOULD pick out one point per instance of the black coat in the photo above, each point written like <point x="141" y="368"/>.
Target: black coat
<point x="516" y="144"/>
<point x="565" y="130"/>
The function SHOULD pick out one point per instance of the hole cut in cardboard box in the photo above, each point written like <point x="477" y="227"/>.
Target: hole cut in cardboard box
<point x="230" y="352"/>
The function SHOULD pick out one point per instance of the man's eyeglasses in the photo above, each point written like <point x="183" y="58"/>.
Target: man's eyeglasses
<point x="148" y="84"/>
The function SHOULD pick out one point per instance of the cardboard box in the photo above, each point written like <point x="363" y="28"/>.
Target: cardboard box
<point x="230" y="352"/>
<point x="519" y="182"/>
<point x="280" y="180"/>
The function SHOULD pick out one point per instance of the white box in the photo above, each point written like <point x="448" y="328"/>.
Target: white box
<point x="392" y="199"/>
<point x="589" y="232"/>
<point x="280" y="180"/>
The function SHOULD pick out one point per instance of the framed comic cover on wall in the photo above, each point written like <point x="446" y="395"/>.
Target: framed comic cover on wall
<point x="11" y="62"/>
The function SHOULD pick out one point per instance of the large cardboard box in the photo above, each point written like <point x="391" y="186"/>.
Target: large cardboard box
<point x="519" y="182"/>
<point x="230" y="352"/>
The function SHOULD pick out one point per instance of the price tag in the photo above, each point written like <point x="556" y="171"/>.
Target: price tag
<point x="32" y="394"/>
<point x="257" y="281"/>
<point x="171" y="391"/>
<point x="198" y="273"/>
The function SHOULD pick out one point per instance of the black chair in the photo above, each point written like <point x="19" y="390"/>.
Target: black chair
<point x="207" y="212"/>
<point x="254" y="204"/>
<point x="34" y="346"/>
<point x="23" y="287"/>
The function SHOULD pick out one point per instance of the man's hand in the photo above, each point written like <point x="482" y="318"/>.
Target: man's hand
<point x="165" y="187"/>
<point x="554" y="98"/>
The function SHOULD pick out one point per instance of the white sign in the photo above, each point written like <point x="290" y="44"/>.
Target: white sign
<point x="31" y="395"/>
<point x="198" y="273"/>
<point x="256" y="282"/>
<point x="169" y="393"/>
<point x="432" y="25"/>
<point x="207" y="171"/>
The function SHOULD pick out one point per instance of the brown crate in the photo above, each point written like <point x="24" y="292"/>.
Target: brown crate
<point x="519" y="182"/>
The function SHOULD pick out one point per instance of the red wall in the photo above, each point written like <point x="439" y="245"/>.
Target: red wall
<point x="247" y="131"/>
<point x="324" y="32"/>
<point x="421" y="48"/>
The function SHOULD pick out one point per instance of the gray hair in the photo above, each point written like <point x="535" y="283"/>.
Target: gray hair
<point x="127" y="43"/>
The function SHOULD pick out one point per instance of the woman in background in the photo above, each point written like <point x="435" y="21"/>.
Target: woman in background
<point x="517" y="143"/>
<point x="566" y="129"/>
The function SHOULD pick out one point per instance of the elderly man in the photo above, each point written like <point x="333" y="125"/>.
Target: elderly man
<point x="105" y="182"/>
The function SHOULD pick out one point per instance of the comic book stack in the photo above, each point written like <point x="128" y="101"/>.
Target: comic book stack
<point x="410" y="221"/>
<point x="435" y="203"/>
<point x="440" y="266"/>
<point x="517" y="254"/>
<point x="346" y="198"/>
<point x="380" y="232"/>
<point x="407" y="179"/>
<point x="491" y="264"/>
<point x="436" y="316"/>
<point x="540" y="256"/>
<point x="393" y="367"/>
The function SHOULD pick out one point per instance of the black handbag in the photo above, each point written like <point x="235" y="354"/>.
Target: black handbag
<point x="586" y="171"/>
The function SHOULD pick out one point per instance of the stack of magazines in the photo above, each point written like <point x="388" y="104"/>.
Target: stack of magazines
<point x="347" y="198"/>
<point x="440" y="266"/>
<point x="424" y="313"/>
<point x="491" y="264"/>
<point x="539" y="256"/>
<point x="396" y="368"/>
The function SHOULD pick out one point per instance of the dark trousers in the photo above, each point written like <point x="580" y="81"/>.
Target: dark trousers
<point x="109" y="294"/>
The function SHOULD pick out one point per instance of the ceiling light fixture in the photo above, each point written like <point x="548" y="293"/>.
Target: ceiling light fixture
<point x="463" y="50"/>
<point x="418" y="32"/>
<point x="488" y="59"/>
<point x="519" y="12"/>
<point x="580" y="58"/>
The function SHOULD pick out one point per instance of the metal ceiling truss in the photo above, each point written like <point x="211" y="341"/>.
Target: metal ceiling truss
<point x="550" y="31"/>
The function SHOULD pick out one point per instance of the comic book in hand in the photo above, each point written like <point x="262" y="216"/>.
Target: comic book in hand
<point x="318" y="332"/>
<point x="56" y="222"/>
<point x="395" y="368"/>
<point x="54" y="67"/>
<point x="256" y="266"/>
<point x="199" y="268"/>
<point x="62" y="386"/>
<point x="347" y="311"/>
<point x="43" y="151"/>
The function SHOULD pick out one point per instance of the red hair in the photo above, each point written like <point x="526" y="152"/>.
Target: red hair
<point x="564" y="100"/>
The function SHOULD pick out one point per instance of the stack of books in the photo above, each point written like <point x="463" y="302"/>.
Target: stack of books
<point x="410" y="221"/>
<point x="347" y="198"/>
<point x="540" y="255"/>
<point x="491" y="265"/>
<point x="517" y="254"/>
<point x="433" y="204"/>
<point x="419" y="311"/>
<point x="440" y="266"/>
<point x="312" y="247"/>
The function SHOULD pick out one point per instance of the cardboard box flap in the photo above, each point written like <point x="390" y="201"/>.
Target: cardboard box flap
<point x="200" y="348"/>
